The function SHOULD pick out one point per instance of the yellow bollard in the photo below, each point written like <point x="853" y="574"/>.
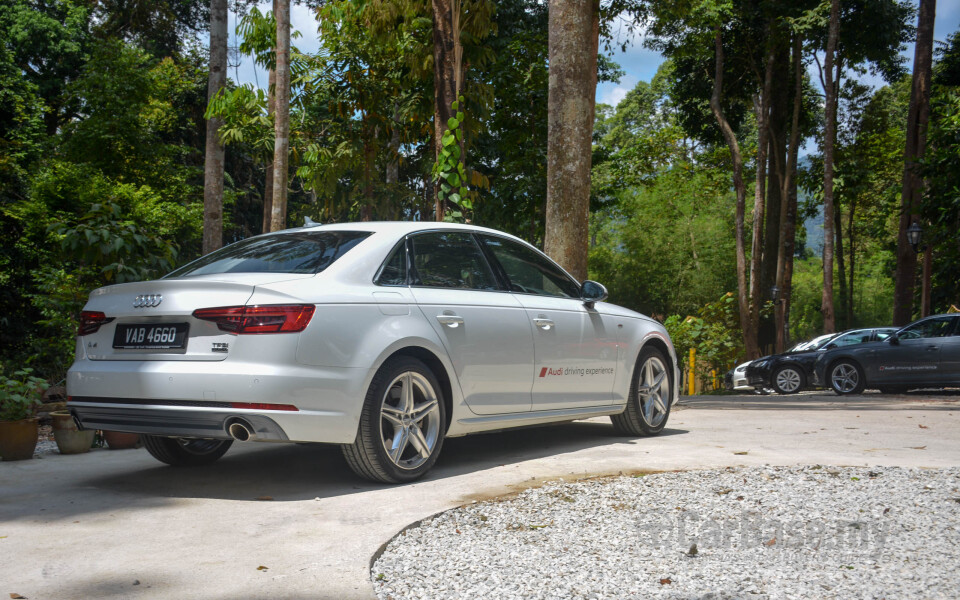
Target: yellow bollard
<point x="693" y="361"/>
<point x="713" y="372"/>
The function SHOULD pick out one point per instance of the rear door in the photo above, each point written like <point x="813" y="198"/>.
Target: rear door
<point x="483" y="328"/>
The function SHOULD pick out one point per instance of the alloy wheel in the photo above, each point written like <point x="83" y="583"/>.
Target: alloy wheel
<point x="788" y="380"/>
<point x="653" y="390"/>
<point x="845" y="378"/>
<point x="409" y="420"/>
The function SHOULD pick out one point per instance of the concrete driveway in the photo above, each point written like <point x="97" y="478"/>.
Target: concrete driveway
<point x="291" y="521"/>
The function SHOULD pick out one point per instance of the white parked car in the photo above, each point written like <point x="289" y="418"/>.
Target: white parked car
<point x="384" y="338"/>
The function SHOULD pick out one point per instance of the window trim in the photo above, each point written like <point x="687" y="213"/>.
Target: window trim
<point x="506" y="278"/>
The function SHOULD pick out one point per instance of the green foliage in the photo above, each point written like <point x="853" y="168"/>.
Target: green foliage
<point x="20" y="395"/>
<point x="448" y="172"/>
<point x="714" y="333"/>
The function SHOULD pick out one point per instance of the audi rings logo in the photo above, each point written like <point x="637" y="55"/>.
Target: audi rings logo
<point x="147" y="300"/>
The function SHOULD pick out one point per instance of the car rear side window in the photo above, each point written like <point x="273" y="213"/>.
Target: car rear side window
<point x="394" y="271"/>
<point x="451" y="260"/>
<point x="300" y="252"/>
<point x="529" y="272"/>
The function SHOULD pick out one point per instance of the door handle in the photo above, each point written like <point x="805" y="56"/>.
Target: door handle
<point x="451" y="321"/>
<point x="543" y="323"/>
<point x="932" y="348"/>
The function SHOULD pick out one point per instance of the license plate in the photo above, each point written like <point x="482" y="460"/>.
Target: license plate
<point x="161" y="336"/>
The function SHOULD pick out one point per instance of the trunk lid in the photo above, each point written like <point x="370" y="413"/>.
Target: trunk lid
<point x="164" y="308"/>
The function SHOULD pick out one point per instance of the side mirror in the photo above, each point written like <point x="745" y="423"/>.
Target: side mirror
<point x="893" y="340"/>
<point x="830" y="346"/>
<point x="592" y="292"/>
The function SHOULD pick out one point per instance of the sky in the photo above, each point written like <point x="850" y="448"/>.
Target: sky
<point x="640" y="64"/>
<point x="637" y="62"/>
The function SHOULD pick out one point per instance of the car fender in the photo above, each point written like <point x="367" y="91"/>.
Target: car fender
<point x="634" y="335"/>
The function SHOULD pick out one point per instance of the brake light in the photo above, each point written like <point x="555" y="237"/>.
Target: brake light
<point x="91" y="321"/>
<point x="277" y="318"/>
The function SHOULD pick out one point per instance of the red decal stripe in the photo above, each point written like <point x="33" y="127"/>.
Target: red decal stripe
<point x="543" y="372"/>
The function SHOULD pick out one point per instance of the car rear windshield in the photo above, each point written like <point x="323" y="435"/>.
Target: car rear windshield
<point x="301" y="252"/>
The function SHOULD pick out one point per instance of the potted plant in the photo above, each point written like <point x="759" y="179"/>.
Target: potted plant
<point x="69" y="438"/>
<point x="118" y="440"/>
<point x="19" y="398"/>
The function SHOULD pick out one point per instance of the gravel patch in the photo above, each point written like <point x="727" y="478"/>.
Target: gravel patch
<point x="766" y="532"/>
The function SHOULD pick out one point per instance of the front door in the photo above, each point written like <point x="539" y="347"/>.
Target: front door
<point x="575" y="351"/>
<point x="913" y="357"/>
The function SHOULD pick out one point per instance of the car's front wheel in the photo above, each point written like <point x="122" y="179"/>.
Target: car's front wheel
<point x="648" y="405"/>
<point x="402" y="424"/>
<point x="846" y="377"/>
<point x="185" y="452"/>
<point x="788" y="380"/>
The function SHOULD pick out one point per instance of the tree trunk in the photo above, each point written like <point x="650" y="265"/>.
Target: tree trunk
<point x="762" y="106"/>
<point x="749" y="334"/>
<point x="281" y="126"/>
<point x="841" y="267"/>
<point x="393" y="149"/>
<point x="369" y="165"/>
<point x="829" y="137"/>
<point x="778" y="131"/>
<point x="917" y="118"/>
<point x="570" y="119"/>
<point x="788" y="210"/>
<point x="268" y="176"/>
<point x="444" y="80"/>
<point x="851" y="263"/>
<point x="213" y="160"/>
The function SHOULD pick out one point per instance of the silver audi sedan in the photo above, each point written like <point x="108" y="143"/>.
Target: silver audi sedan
<point x="384" y="338"/>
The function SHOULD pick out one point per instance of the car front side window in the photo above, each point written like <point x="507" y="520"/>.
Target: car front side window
<point x="450" y="260"/>
<point x="930" y="328"/>
<point x="529" y="272"/>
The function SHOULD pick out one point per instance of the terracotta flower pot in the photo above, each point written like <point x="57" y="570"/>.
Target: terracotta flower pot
<point x="18" y="439"/>
<point x="70" y="440"/>
<point x="117" y="440"/>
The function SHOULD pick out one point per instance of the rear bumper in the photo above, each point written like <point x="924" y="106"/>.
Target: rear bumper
<point x="193" y="399"/>
<point x="163" y="421"/>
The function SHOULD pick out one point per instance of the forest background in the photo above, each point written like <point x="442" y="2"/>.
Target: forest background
<point x="104" y="108"/>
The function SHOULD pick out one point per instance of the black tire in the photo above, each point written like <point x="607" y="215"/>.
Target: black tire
<point x="894" y="389"/>
<point x="788" y="379"/>
<point x="846" y="377"/>
<point x="647" y="413"/>
<point x="185" y="452"/>
<point x="414" y="429"/>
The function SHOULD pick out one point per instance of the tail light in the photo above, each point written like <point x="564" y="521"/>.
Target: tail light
<point x="277" y="318"/>
<point x="91" y="320"/>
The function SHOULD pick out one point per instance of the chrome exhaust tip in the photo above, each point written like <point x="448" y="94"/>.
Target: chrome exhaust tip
<point x="241" y="431"/>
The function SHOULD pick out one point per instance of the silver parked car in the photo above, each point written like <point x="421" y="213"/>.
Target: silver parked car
<point x="384" y="338"/>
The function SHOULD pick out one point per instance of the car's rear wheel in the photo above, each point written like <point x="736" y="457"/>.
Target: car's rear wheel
<point x="788" y="380"/>
<point x="846" y="377"/>
<point x="185" y="452"/>
<point x="402" y="424"/>
<point x="648" y="405"/>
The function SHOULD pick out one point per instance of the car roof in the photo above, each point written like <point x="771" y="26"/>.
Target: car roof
<point x="398" y="227"/>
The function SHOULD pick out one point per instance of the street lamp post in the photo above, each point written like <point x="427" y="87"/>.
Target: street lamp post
<point x="914" y="236"/>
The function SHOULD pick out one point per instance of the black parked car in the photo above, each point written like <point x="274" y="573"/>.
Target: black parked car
<point x="792" y="371"/>
<point x="925" y="353"/>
